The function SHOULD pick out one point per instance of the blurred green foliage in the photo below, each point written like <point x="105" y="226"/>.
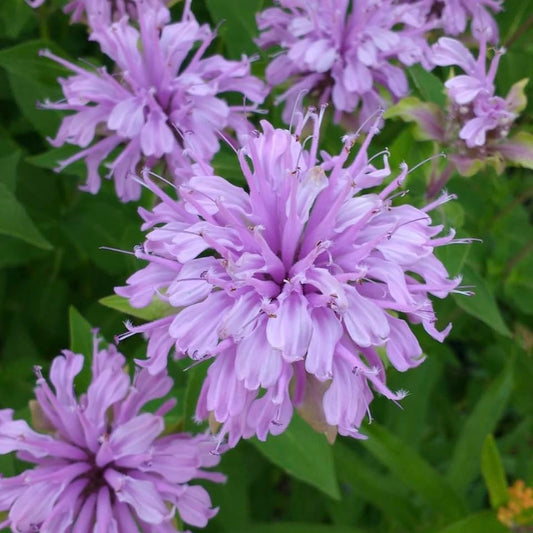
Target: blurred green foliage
<point x="438" y="464"/>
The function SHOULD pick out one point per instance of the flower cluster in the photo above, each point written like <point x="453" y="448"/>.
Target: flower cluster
<point x="103" y="12"/>
<point x="310" y="282"/>
<point x="474" y="106"/>
<point x="453" y="16"/>
<point x="519" y="509"/>
<point x="342" y="51"/>
<point x="161" y="102"/>
<point x="477" y="123"/>
<point x="101" y="464"/>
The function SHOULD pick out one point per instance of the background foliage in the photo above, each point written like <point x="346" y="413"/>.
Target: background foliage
<point x="429" y="466"/>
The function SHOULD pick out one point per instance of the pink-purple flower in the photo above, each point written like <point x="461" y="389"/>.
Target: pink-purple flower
<point x="476" y="129"/>
<point x="297" y="290"/>
<point x="343" y="51"/>
<point x="452" y="16"/>
<point x="100" y="463"/>
<point x="104" y="12"/>
<point x="161" y="103"/>
<point x="474" y="105"/>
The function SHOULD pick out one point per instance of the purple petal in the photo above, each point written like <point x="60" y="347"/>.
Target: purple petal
<point x="281" y="332"/>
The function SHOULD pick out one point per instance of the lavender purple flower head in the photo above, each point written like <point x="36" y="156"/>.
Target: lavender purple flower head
<point x="343" y="51"/>
<point x="104" y="12"/>
<point x="100" y="464"/>
<point x="477" y="125"/>
<point x="161" y="103"/>
<point x="452" y="16"/>
<point x="299" y="291"/>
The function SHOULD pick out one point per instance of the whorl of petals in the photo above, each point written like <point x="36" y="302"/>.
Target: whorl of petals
<point x="100" y="464"/>
<point x="296" y="290"/>
<point x="342" y="52"/>
<point x="162" y="102"/>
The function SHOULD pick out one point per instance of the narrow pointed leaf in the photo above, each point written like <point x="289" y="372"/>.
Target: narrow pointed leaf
<point x="414" y="471"/>
<point x="484" y="522"/>
<point x="464" y="465"/>
<point x="494" y="474"/>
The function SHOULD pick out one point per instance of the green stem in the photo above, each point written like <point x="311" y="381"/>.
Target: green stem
<point x="43" y="22"/>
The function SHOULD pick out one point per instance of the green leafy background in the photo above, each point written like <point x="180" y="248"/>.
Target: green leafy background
<point x="439" y="464"/>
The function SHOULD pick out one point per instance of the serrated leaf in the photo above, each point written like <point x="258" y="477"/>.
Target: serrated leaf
<point x="304" y="454"/>
<point x="414" y="471"/>
<point x="483" y="304"/>
<point x="464" y="465"/>
<point x="238" y="24"/>
<point x="484" y="522"/>
<point x="494" y="474"/>
<point x="157" y="309"/>
<point x="15" y="222"/>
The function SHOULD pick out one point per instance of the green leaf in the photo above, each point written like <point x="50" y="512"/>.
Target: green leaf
<point x="483" y="304"/>
<point x="372" y="486"/>
<point x="51" y="158"/>
<point x="518" y="149"/>
<point x="14" y="16"/>
<point x="9" y="160"/>
<point x="464" y="465"/>
<point x="15" y="222"/>
<point x="454" y="257"/>
<point x="81" y="333"/>
<point x="494" y="474"/>
<point x="14" y="252"/>
<point x="101" y="221"/>
<point x="410" y="422"/>
<point x="196" y="377"/>
<point x="81" y="342"/>
<point x="414" y="471"/>
<point x="157" y="309"/>
<point x="33" y="79"/>
<point x="232" y="497"/>
<point x="518" y="286"/>
<point x="484" y="522"/>
<point x="226" y="165"/>
<point x="304" y="454"/>
<point x="427" y="116"/>
<point x="428" y="85"/>
<point x="238" y="24"/>
<point x="295" y="527"/>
